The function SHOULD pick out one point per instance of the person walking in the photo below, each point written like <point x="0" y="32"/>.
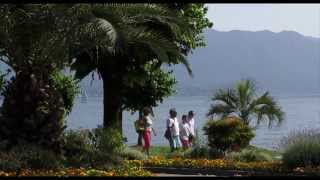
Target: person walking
<point x="170" y="125"/>
<point x="148" y="128"/>
<point x="139" y="126"/>
<point x="190" y="121"/>
<point x="185" y="132"/>
<point x="173" y="126"/>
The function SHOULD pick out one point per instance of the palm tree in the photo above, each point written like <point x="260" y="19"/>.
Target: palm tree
<point x="243" y="102"/>
<point x="137" y="34"/>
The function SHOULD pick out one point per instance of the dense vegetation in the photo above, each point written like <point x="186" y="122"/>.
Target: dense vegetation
<point x="127" y="45"/>
<point x="228" y="134"/>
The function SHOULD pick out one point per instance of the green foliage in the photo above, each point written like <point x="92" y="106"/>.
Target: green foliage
<point x="243" y="102"/>
<point x="77" y="148"/>
<point x="132" y="154"/>
<point x="148" y="91"/>
<point x="100" y="148"/>
<point x="34" y="36"/>
<point x="9" y="162"/>
<point x="199" y="152"/>
<point x="196" y="13"/>
<point x="34" y="42"/>
<point x="2" y="81"/>
<point x="29" y="157"/>
<point x="249" y="155"/>
<point x="108" y="140"/>
<point x="228" y="134"/>
<point x="302" y="154"/>
<point x="68" y="87"/>
<point x="301" y="149"/>
<point x="36" y="157"/>
<point x="32" y="112"/>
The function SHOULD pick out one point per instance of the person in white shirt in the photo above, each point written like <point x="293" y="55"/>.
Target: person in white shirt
<point x="191" y="126"/>
<point x="185" y="132"/>
<point x="173" y="127"/>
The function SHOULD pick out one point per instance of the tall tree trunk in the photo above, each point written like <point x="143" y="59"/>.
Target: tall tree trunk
<point x="112" y="112"/>
<point x="140" y="133"/>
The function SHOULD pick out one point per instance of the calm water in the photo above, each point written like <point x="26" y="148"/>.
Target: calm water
<point x="301" y="112"/>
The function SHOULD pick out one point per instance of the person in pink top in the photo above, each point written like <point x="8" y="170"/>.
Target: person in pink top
<point x="148" y="128"/>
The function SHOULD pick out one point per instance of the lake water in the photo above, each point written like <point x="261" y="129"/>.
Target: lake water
<point x="301" y="113"/>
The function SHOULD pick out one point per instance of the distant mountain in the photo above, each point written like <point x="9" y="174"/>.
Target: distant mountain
<point x="283" y="63"/>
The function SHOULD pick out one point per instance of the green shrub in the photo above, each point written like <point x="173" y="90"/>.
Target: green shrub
<point x="9" y="162"/>
<point x="68" y="87"/>
<point x="302" y="153"/>
<point x="32" y="112"/>
<point x="228" y="134"/>
<point x="199" y="152"/>
<point x="78" y="148"/>
<point x="99" y="148"/>
<point x="132" y="154"/>
<point x="249" y="156"/>
<point x="36" y="157"/>
<point x="200" y="149"/>
<point x="2" y="81"/>
<point x="108" y="140"/>
<point x="108" y="145"/>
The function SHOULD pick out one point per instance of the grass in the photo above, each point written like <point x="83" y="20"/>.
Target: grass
<point x="272" y="153"/>
<point x="165" y="151"/>
<point x="156" y="150"/>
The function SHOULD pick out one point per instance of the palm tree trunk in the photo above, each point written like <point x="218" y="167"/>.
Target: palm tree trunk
<point x="112" y="112"/>
<point x="140" y="133"/>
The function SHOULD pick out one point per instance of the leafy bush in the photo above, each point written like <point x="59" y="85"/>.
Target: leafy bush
<point x="2" y="81"/>
<point x="68" y="87"/>
<point x="77" y="148"/>
<point x="200" y="149"/>
<point x="249" y="155"/>
<point x="199" y="152"/>
<point x="108" y="140"/>
<point x="9" y="162"/>
<point x="132" y="154"/>
<point x="100" y="148"/>
<point x="36" y="157"/>
<point x="32" y="112"/>
<point x="108" y="145"/>
<point x="228" y="134"/>
<point x="301" y="149"/>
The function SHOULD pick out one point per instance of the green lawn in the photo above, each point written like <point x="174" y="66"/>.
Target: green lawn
<point x="273" y="153"/>
<point x="156" y="150"/>
<point x="165" y="151"/>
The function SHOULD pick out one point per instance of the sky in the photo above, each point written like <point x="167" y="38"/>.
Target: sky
<point x="302" y="18"/>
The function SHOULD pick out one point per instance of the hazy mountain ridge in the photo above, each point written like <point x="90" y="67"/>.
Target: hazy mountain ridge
<point x="284" y="63"/>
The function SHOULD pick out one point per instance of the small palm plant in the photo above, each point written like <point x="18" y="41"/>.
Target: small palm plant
<point x="243" y="102"/>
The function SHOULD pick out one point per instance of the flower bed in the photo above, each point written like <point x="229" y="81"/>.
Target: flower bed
<point x="275" y="166"/>
<point x="128" y="169"/>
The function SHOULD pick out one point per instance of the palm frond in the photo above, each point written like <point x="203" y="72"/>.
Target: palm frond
<point x="219" y="110"/>
<point x="228" y="97"/>
<point x="266" y="106"/>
